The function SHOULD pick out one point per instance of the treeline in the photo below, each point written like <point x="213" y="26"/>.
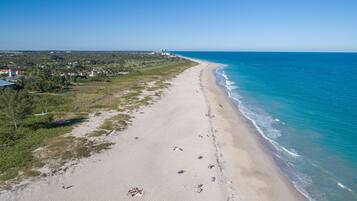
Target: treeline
<point x="61" y="59"/>
<point x="46" y="71"/>
<point x="43" y="80"/>
<point x="49" y="79"/>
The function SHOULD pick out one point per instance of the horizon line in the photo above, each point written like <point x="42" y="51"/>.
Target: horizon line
<point x="185" y="50"/>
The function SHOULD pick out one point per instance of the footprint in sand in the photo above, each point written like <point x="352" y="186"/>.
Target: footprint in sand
<point x="211" y="166"/>
<point x="181" y="172"/>
<point x="176" y="148"/>
<point x="200" y="157"/>
<point x="66" y="187"/>
<point x="199" y="188"/>
<point x="135" y="192"/>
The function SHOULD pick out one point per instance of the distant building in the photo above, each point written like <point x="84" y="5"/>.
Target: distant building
<point x="4" y="72"/>
<point x="74" y="64"/>
<point x="93" y="73"/>
<point x="164" y="52"/>
<point x="4" y="84"/>
<point x="9" y="72"/>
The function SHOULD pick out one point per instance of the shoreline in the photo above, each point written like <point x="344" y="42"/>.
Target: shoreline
<point x="266" y="143"/>
<point x="192" y="144"/>
<point x="287" y="190"/>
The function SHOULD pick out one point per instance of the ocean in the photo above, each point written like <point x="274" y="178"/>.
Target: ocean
<point x="305" y="106"/>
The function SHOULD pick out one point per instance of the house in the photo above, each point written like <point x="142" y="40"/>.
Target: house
<point x="4" y="72"/>
<point x="93" y="73"/>
<point x="4" y="84"/>
<point x="9" y="72"/>
<point x="74" y="64"/>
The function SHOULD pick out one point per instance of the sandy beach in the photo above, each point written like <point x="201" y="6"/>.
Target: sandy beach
<point x="190" y="145"/>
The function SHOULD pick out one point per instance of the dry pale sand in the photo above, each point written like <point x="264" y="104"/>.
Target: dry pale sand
<point x="193" y="128"/>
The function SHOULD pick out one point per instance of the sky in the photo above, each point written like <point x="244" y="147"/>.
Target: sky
<point x="214" y="25"/>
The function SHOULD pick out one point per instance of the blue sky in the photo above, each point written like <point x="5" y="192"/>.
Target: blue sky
<point x="268" y="25"/>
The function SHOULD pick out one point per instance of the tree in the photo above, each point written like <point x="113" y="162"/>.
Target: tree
<point x="56" y="58"/>
<point x="15" y="106"/>
<point x="47" y="80"/>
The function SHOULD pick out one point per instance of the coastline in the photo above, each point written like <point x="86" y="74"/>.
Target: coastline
<point x="192" y="144"/>
<point x="252" y="167"/>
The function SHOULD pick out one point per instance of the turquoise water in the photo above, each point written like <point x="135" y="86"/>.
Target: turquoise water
<point x="305" y="106"/>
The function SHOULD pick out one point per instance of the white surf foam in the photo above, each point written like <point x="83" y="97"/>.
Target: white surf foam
<point x="250" y="115"/>
<point x="344" y="187"/>
<point x="301" y="181"/>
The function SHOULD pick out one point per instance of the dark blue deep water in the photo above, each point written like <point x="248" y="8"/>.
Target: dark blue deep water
<point x="305" y="106"/>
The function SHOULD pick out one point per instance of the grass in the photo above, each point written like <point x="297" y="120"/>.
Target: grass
<point x="97" y="133"/>
<point x="45" y="143"/>
<point x="19" y="157"/>
<point x="118" y="122"/>
<point x="65" y="148"/>
<point x="92" y="96"/>
<point x="101" y="147"/>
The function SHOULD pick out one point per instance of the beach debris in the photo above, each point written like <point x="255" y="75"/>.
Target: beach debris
<point x="176" y="148"/>
<point x="199" y="188"/>
<point x="136" y="138"/>
<point x="136" y="192"/>
<point x="108" y="133"/>
<point x="181" y="172"/>
<point x="66" y="187"/>
<point x="211" y="166"/>
<point x="200" y="157"/>
<point x="220" y="105"/>
<point x="213" y="179"/>
<point x="65" y="169"/>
